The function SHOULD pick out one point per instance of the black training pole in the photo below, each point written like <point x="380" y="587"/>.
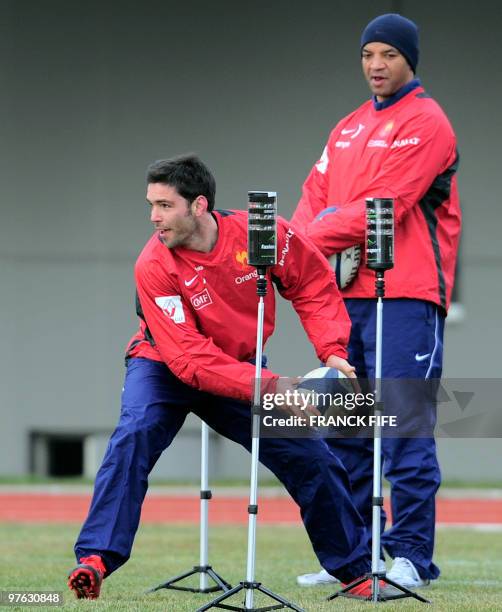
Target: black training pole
<point x="262" y="252"/>
<point x="379" y="257"/>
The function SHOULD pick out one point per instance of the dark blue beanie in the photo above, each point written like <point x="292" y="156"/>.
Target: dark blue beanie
<point x="396" y="31"/>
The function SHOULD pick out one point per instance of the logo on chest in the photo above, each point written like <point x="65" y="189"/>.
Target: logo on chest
<point x="353" y="131"/>
<point x="201" y="300"/>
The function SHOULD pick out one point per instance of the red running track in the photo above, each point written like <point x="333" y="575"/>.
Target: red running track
<point x="72" y="508"/>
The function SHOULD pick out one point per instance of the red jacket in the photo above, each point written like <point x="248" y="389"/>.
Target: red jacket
<point x="406" y="151"/>
<point x="198" y="311"/>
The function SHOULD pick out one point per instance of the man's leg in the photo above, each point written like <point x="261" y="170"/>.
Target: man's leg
<point x="410" y="463"/>
<point x="411" y="328"/>
<point x="316" y="480"/>
<point x="356" y="454"/>
<point x="154" y="407"/>
<point x="412" y="469"/>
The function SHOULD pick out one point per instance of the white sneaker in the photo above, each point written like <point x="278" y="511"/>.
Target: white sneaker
<point x="323" y="577"/>
<point x="316" y="579"/>
<point x="405" y="573"/>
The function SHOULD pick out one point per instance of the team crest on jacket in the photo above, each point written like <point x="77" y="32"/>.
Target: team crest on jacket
<point x="387" y="129"/>
<point x="172" y="307"/>
<point x="241" y="257"/>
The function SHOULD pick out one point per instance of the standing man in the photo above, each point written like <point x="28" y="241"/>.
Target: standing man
<point x="197" y="306"/>
<point x="398" y="145"/>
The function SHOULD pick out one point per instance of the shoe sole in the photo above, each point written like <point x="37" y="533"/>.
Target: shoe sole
<point x="409" y="586"/>
<point x="85" y="582"/>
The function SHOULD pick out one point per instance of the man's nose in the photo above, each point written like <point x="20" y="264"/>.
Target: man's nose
<point x="376" y="63"/>
<point x="155" y="215"/>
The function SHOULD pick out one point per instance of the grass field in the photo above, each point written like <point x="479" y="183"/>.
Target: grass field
<point x="37" y="557"/>
<point x="227" y="482"/>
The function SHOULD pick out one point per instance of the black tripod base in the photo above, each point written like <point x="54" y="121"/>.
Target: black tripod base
<point x="221" y="584"/>
<point x="401" y="594"/>
<point x="257" y="586"/>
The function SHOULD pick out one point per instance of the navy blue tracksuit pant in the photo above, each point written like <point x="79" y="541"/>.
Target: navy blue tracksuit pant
<point x="412" y="348"/>
<point x="154" y="407"/>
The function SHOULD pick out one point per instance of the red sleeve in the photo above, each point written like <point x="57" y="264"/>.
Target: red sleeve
<point x="191" y="356"/>
<point x="314" y="194"/>
<point x="304" y="276"/>
<point x="405" y="175"/>
<point x="314" y="197"/>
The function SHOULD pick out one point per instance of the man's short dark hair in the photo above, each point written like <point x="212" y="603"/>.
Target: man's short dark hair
<point x="187" y="174"/>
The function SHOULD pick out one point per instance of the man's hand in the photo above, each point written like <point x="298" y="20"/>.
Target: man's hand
<point x="285" y="388"/>
<point x="343" y="366"/>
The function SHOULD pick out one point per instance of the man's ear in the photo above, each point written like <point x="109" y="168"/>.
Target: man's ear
<point x="199" y="205"/>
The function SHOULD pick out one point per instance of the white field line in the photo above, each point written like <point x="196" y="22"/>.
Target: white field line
<point x="488" y="527"/>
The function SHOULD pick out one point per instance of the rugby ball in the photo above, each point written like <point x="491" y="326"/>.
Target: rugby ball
<point x="323" y="380"/>
<point x="346" y="263"/>
<point x="323" y="372"/>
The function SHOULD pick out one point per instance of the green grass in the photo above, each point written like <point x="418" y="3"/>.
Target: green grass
<point x="228" y="482"/>
<point x="37" y="557"/>
<point x="80" y="480"/>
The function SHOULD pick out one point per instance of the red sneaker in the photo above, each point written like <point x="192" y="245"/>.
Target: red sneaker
<point x="365" y="589"/>
<point x="85" y="580"/>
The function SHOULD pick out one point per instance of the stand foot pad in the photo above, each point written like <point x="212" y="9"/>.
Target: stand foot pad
<point x="221" y="584"/>
<point x="257" y="586"/>
<point x="403" y="591"/>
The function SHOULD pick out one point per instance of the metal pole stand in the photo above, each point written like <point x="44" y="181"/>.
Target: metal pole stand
<point x="376" y="576"/>
<point x="204" y="570"/>
<point x="250" y="585"/>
